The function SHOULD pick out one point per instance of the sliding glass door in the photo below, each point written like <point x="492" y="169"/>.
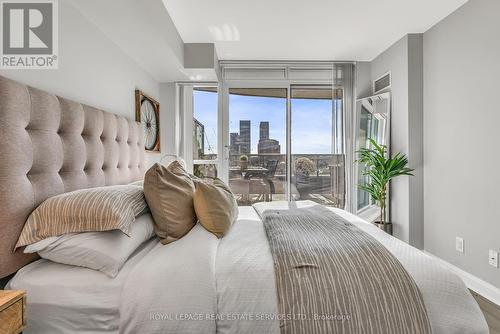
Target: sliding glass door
<point x="318" y="163"/>
<point x="286" y="144"/>
<point x="257" y="144"/>
<point x="272" y="132"/>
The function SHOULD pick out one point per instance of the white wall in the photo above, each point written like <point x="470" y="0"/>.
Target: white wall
<point x="169" y="132"/>
<point x="92" y="69"/>
<point x="461" y="131"/>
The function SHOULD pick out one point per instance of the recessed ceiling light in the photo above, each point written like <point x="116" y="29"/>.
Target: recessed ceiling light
<point x="225" y="33"/>
<point x="196" y="77"/>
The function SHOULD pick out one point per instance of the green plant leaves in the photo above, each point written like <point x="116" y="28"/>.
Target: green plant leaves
<point x="380" y="170"/>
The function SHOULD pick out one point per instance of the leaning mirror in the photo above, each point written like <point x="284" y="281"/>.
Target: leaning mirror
<point x="372" y="121"/>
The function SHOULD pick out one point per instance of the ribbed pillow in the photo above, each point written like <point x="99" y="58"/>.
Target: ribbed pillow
<point x="215" y="206"/>
<point x="169" y="193"/>
<point x="85" y="210"/>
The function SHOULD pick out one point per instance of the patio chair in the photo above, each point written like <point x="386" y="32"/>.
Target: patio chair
<point x="262" y="182"/>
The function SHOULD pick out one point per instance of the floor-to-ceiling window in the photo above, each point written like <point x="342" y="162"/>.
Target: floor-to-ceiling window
<point x="273" y="132"/>
<point x="317" y="156"/>
<point x="257" y="144"/>
<point x="205" y="131"/>
<point x="261" y="120"/>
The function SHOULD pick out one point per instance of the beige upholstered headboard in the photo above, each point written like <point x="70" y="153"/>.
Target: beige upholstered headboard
<point x="50" y="145"/>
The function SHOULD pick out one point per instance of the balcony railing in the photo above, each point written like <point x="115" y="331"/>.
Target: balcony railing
<point x="262" y="177"/>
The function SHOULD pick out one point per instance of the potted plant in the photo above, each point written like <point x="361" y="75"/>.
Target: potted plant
<point x="303" y="169"/>
<point x="243" y="162"/>
<point x="381" y="169"/>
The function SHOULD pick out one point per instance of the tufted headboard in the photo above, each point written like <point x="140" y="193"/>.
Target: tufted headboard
<point x="50" y="145"/>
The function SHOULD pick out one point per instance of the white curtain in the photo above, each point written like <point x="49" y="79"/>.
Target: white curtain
<point x="344" y="77"/>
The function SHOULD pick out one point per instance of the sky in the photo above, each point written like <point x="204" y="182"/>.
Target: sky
<point x="311" y="121"/>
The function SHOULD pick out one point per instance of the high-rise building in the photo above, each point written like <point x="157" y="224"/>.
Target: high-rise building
<point x="199" y="137"/>
<point x="267" y="145"/>
<point x="244" y="139"/>
<point x="233" y="143"/>
<point x="264" y="130"/>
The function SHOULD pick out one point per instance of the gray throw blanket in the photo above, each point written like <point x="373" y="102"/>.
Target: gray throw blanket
<point x="334" y="278"/>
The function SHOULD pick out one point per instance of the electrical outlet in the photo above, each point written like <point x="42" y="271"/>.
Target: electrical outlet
<point x="459" y="244"/>
<point x="493" y="258"/>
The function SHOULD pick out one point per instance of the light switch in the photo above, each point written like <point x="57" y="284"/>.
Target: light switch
<point x="459" y="244"/>
<point x="493" y="258"/>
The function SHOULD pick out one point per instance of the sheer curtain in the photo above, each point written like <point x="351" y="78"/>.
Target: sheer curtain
<point x="344" y="77"/>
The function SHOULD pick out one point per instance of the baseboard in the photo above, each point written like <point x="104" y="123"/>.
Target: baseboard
<point x="474" y="283"/>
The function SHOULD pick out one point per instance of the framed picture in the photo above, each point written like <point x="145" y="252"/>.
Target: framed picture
<point x="147" y="112"/>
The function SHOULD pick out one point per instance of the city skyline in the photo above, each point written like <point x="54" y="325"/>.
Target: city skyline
<point x="240" y="142"/>
<point x="311" y="121"/>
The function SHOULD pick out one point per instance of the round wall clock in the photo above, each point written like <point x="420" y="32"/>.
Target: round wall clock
<point x="148" y="114"/>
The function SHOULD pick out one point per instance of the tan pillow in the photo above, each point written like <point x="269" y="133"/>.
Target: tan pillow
<point x="169" y="193"/>
<point x="215" y="206"/>
<point x="85" y="210"/>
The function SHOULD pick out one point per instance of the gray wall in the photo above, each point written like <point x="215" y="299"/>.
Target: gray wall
<point x="92" y="69"/>
<point x="415" y="140"/>
<point x="363" y="79"/>
<point x="461" y="119"/>
<point x="404" y="60"/>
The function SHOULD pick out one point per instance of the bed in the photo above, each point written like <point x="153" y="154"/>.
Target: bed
<point x="198" y="284"/>
<point x="228" y="284"/>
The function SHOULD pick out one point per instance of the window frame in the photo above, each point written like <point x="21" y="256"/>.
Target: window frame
<point x="186" y="110"/>
<point x="268" y="74"/>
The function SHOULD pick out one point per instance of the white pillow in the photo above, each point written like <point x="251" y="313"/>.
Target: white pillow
<point x="105" y="251"/>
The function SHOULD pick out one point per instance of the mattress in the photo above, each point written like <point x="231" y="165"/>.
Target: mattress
<point x="69" y="299"/>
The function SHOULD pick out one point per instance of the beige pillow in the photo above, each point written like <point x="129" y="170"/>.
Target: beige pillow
<point x="215" y="206"/>
<point x="85" y="210"/>
<point x="169" y="193"/>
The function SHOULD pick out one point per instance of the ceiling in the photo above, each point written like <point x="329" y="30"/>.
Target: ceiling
<point x="304" y="30"/>
<point x="142" y="30"/>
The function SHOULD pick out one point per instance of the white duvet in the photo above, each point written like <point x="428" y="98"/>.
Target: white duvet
<point x="173" y="288"/>
<point x="201" y="284"/>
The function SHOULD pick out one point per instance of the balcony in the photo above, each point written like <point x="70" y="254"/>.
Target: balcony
<point x="262" y="177"/>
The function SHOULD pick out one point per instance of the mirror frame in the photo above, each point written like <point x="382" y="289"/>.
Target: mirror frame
<point x="371" y="213"/>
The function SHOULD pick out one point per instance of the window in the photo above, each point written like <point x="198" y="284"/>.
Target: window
<point x="259" y="154"/>
<point x="257" y="144"/>
<point x="272" y="132"/>
<point x="318" y="162"/>
<point x="205" y="139"/>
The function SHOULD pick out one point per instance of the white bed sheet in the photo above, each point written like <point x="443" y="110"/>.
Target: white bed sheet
<point x="246" y="284"/>
<point x="69" y="299"/>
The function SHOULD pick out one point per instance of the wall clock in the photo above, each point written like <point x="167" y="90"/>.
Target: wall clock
<point x="147" y="112"/>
